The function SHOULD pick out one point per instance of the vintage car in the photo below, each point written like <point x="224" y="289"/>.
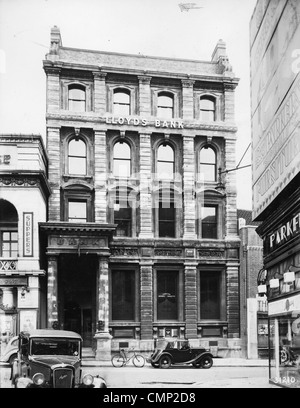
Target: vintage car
<point x="49" y="358"/>
<point x="177" y="352"/>
<point x="10" y="351"/>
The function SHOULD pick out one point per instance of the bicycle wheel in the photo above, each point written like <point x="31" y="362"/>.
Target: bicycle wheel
<point x="118" y="360"/>
<point x="138" y="360"/>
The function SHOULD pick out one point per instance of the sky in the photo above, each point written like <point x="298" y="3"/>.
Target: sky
<point x="148" y="27"/>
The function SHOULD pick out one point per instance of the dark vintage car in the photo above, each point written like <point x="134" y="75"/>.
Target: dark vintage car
<point x="178" y="352"/>
<point x="50" y="358"/>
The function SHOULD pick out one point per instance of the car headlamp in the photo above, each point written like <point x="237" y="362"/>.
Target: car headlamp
<point x="38" y="379"/>
<point x="88" y="379"/>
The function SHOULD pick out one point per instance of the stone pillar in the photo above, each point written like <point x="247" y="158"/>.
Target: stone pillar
<point x="146" y="217"/>
<point x="53" y="150"/>
<point x="99" y="93"/>
<point x="7" y="296"/>
<point x="52" y="294"/>
<point x="233" y="306"/>
<point x="53" y="88"/>
<point x="252" y="340"/>
<point x="191" y="308"/>
<point x="144" y="95"/>
<point x="187" y="99"/>
<point x="189" y="213"/>
<point x="102" y="335"/>
<point x="231" y="191"/>
<point x="229" y="103"/>
<point x="146" y="276"/>
<point x="100" y="177"/>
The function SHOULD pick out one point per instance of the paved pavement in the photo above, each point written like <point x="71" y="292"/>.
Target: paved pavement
<point x="218" y="362"/>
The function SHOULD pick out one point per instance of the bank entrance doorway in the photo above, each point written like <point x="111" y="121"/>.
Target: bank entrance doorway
<point x="77" y="295"/>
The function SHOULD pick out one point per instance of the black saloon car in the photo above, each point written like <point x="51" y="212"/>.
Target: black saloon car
<point x="50" y="358"/>
<point x="178" y="352"/>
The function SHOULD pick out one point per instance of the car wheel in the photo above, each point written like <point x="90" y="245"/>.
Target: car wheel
<point x="12" y="358"/>
<point x="165" y="362"/>
<point x="197" y="364"/>
<point x="206" y="362"/>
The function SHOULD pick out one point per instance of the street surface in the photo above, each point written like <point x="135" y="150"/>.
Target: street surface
<point x="183" y="377"/>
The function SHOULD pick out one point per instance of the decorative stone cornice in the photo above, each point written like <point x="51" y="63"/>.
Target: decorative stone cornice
<point x="25" y="179"/>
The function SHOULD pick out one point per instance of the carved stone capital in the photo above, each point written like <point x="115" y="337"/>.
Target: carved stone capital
<point x="187" y="83"/>
<point x="144" y="79"/>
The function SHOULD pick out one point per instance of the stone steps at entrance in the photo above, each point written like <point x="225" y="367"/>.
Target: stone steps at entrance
<point x="88" y="353"/>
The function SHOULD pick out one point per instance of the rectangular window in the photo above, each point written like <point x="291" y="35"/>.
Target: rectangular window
<point x="209" y="217"/>
<point x="122" y="217"/>
<point x="210" y="295"/>
<point x="9" y="244"/>
<point x="123" y="295"/>
<point x="167" y="295"/>
<point x="77" y="211"/>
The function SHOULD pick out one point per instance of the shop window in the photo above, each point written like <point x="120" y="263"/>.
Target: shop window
<point x="208" y="164"/>
<point x="76" y="98"/>
<point x="167" y="295"/>
<point x="165" y="162"/>
<point x="77" y="157"/>
<point x="121" y="102"/>
<point x="210" y="295"/>
<point x="207" y="109"/>
<point x="123" y="295"/>
<point x="165" y="105"/>
<point x="209" y="222"/>
<point x="121" y="160"/>
<point x="8" y="230"/>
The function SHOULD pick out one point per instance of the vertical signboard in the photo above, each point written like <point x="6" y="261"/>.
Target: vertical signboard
<point x="275" y="100"/>
<point x="28" y="233"/>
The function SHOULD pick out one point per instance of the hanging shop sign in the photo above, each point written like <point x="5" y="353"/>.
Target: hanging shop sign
<point x="28" y="234"/>
<point x="122" y="120"/>
<point x="283" y="234"/>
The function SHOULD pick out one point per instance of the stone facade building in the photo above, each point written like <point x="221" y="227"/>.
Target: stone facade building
<point x="24" y="193"/>
<point x="141" y="240"/>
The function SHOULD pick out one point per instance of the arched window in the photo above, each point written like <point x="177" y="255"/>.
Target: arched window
<point x="165" y="162"/>
<point x="208" y="164"/>
<point x="122" y="160"/>
<point x="8" y="230"/>
<point x="121" y="102"/>
<point x="207" y="109"/>
<point x="77" y="98"/>
<point x="165" y="105"/>
<point x="77" y="157"/>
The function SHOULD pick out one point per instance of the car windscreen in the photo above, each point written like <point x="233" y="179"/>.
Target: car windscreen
<point x="53" y="346"/>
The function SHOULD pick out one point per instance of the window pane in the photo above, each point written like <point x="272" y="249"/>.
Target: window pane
<point x="14" y="236"/>
<point x="208" y="172"/>
<point x="77" y="148"/>
<point x="77" y="165"/>
<point x="121" y="151"/>
<point x="121" y="97"/>
<point x="165" y="101"/>
<point x="123" y="295"/>
<point x="207" y="104"/>
<point x="207" y="155"/>
<point x="77" y="94"/>
<point x="208" y="164"/>
<point x="77" y="211"/>
<point x="209" y="222"/>
<point x="165" y="112"/>
<point x="77" y="106"/>
<point x="122" y="168"/>
<point x="210" y="295"/>
<point x="166" y="222"/>
<point x="167" y="300"/>
<point x="122" y="110"/>
<point x="6" y="236"/>
<point x="77" y="99"/>
<point x="165" y="162"/>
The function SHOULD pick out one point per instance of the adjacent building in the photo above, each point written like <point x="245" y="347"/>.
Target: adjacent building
<point x="275" y="84"/>
<point x="24" y="193"/>
<point x="141" y="241"/>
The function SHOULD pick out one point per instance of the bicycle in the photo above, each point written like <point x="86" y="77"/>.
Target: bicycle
<point x="121" y="359"/>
